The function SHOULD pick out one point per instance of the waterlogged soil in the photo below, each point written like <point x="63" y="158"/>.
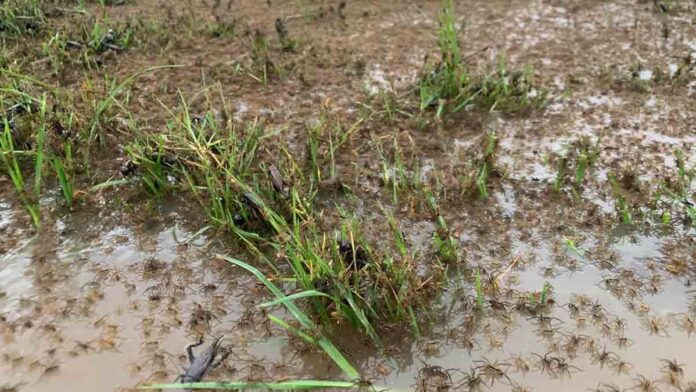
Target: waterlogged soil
<point x="107" y="297"/>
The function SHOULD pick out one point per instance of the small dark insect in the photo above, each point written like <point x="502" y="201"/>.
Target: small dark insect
<point x="128" y="168"/>
<point x="278" y="182"/>
<point x="255" y="205"/>
<point x="574" y="310"/>
<point x="356" y="257"/>
<point x="341" y="8"/>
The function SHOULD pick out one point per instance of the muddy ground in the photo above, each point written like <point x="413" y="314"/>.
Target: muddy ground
<point x="107" y="296"/>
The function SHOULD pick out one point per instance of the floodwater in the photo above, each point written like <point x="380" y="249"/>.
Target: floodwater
<point x="108" y="299"/>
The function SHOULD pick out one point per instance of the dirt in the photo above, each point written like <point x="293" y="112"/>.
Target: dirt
<point x="107" y="297"/>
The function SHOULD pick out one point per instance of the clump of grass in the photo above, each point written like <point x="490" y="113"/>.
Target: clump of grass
<point x="20" y="16"/>
<point x="100" y="37"/>
<point x="261" y="64"/>
<point x="216" y="162"/>
<point x="307" y="330"/>
<point x="674" y="194"/>
<point x="543" y="297"/>
<point x="445" y="243"/>
<point x="477" y="176"/>
<point x="65" y="180"/>
<point x="451" y="87"/>
<point x="9" y="153"/>
<point x="572" y="166"/>
<point x="286" y="43"/>
<point x="479" y="290"/>
<point x="396" y="173"/>
<point x="622" y="205"/>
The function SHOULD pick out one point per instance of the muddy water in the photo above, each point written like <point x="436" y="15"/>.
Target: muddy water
<point x="110" y="312"/>
<point x="113" y="310"/>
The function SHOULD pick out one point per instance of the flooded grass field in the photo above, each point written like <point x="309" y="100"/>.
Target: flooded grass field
<point x="325" y="194"/>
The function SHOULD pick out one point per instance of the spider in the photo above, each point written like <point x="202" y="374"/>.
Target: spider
<point x="622" y="341"/>
<point x="563" y="367"/>
<point x="521" y="364"/>
<point x="545" y="364"/>
<point x="434" y="378"/>
<point x="492" y="370"/>
<point x="642" y="384"/>
<point x="673" y="367"/>
<point x="622" y="367"/>
<point x="472" y="381"/>
<point x="604" y="357"/>
<point x="656" y="326"/>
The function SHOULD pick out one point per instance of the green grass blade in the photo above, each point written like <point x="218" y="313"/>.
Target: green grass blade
<point x="322" y="341"/>
<point x="289" y="298"/>
<point x="290" y="328"/>
<point x="278" y="386"/>
<point x="40" y="139"/>
<point x="110" y="183"/>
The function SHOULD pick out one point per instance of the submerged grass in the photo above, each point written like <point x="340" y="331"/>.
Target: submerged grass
<point x="307" y="330"/>
<point x="217" y="163"/>
<point x="10" y="158"/>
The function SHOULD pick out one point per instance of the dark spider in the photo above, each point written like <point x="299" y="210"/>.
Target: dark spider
<point x="546" y="364"/>
<point x="672" y="366"/>
<point x="563" y="367"/>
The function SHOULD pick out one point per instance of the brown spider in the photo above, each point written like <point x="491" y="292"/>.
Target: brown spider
<point x="563" y="367"/>
<point x="642" y="384"/>
<point x="434" y="378"/>
<point x="622" y="341"/>
<point x="545" y="364"/>
<point x="472" y="381"/>
<point x="622" y="367"/>
<point x="656" y="326"/>
<point x="605" y="357"/>
<point x="672" y="366"/>
<point x="492" y="371"/>
<point x="521" y="364"/>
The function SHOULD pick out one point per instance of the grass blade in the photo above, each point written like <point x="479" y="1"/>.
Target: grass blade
<point x="289" y="298"/>
<point x="278" y="386"/>
<point x="331" y="350"/>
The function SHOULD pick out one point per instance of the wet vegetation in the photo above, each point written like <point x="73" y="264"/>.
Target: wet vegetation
<point x="269" y="185"/>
